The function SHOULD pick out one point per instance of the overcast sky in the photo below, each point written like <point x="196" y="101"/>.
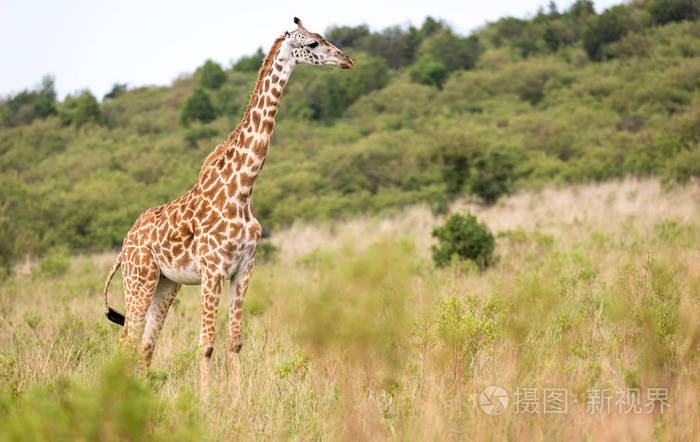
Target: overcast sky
<point x="94" y="43"/>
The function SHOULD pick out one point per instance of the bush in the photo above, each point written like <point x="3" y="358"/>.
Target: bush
<point x="346" y="36"/>
<point x="54" y="263"/>
<point x="665" y="11"/>
<point x="266" y="252"/>
<point x="118" y="406"/>
<point x="211" y="75"/>
<point x="193" y="135"/>
<point x="494" y="174"/>
<point x="465" y="237"/>
<point x="683" y="167"/>
<point x="608" y="27"/>
<point x="452" y="51"/>
<point x="250" y="63"/>
<point x="117" y="90"/>
<point x="26" y="106"/>
<point x="80" y="110"/>
<point x="324" y="94"/>
<point x="198" y="106"/>
<point x="463" y="328"/>
<point x="428" y="71"/>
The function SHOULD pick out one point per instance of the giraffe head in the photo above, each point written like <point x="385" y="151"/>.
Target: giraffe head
<point x="311" y="48"/>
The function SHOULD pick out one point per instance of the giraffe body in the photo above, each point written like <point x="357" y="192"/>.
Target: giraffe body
<point x="209" y="235"/>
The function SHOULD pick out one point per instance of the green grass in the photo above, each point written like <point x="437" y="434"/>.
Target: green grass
<point x="350" y="332"/>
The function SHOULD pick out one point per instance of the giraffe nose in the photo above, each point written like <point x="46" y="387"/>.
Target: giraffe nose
<point x="347" y="63"/>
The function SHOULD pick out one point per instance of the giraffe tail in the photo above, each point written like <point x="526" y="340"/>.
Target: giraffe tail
<point x="112" y="314"/>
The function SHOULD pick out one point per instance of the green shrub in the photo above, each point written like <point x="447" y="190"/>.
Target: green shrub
<point x="666" y="11"/>
<point x="266" y="251"/>
<point x="80" y="110"/>
<point x="117" y="407"/>
<point x="117" y="90"/>
<point x="428" y="71"/>
<point x="193" y="135"/>
<point x="325" y="95"/>
<point x="606" y="28"/>
<point x="452" y="51"/>
<point x="54" y="263"/>
<point x="465" y="237"/>
<point x="198" y="106"/>
<point x="683" y="167"/>
<point x="463" y="329"/>
<point x="250" y="63"/>
<point x="211" y="75"/>
<point x="494" y="174"/>
<point x="27" y="105"/>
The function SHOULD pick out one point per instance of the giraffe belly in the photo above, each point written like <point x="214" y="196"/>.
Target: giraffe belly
<point x="187" y="276"/>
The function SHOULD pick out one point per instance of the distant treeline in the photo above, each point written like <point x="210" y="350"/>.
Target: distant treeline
<point x="426" y="116"/>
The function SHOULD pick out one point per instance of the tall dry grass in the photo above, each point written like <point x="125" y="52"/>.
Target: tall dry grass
<point x="351" y="333"/>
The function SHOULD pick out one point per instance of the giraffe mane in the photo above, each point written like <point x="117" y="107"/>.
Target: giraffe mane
<point x="267" y="62"/>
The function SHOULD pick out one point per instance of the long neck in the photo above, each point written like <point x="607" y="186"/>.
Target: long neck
<point x="246" y="149"/>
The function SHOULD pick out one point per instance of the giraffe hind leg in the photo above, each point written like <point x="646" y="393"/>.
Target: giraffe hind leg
<point x="162" y="299"/>
<point x="140" y="282"/>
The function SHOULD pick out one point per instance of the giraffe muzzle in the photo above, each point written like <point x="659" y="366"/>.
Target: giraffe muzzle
<point x="347" y="63"/>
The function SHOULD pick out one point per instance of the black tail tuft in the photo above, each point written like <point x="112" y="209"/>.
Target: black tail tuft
<point x="115" y="316"/>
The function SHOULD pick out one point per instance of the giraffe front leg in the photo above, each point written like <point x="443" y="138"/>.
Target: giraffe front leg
<point x="239" y="286"/>
<point x="211" y="295"/>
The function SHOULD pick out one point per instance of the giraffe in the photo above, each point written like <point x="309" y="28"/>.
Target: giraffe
<point x="210" y="234"/>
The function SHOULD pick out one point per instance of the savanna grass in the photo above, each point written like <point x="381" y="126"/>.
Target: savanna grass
<point x="351" y="333"/>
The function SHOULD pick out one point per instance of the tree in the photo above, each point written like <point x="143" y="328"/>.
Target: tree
<point x="452" y="51"/>
<point x="494" y="174"/>
<point x="431" y="26"/>
<point x="346" y="36"/>
<point x="80" y="110"/>
<point x="665" y="11"/>
<point x="211" y="75"/>
<point x="428" y="71"/>
<point x="606" y="28"/>
<point x="250" y="63"/>
<point x="117" y="90"/>
<point x="198" y="106"/>
<point x="29" y="105"/>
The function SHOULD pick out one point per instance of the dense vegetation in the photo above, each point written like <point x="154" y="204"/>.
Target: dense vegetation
<point x="352" y="334"/>
<point x="427" y="115"/>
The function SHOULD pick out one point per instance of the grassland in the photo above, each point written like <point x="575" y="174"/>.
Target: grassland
<point x="350" y="333"/>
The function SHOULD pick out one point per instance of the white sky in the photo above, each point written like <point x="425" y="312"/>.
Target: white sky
<point x="96" y="43"/>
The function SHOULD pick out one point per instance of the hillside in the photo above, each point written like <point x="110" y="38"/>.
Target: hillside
<point x="427" y="116"/>
<point x="350" y="333"/>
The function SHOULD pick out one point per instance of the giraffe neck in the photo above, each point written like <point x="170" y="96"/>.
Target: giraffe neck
<point x="247" y="146"/>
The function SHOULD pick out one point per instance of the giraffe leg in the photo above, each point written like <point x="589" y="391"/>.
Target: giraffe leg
<point x="140" y="282"/>
<point x="210" y="298"/>
<point x="238" y="289"/>
<point x="160" y="303"/>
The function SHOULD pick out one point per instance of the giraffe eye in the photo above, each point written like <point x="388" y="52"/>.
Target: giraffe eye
<point x="313" y="45"/>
